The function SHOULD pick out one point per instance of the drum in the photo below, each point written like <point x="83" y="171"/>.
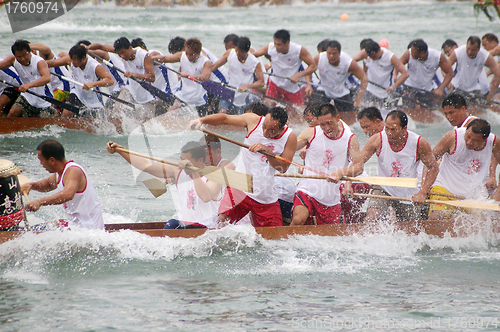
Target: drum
<point x="11" y="201"/>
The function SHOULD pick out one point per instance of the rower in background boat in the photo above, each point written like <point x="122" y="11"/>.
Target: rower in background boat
<point x="8" y="94"/>
<point x="76" y="192"/>
<point x="198" y="196"/>
<point x="399" y="153"/>
<point x="334" y="68"/>
<point x="34" y="75"/>
<point x="465" y="165"/>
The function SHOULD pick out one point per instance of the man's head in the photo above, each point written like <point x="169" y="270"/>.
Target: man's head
<point x="78" y="55"/>
<point x="489" y="41"/>
<point x="274" y="122"/>
<point x="395" y="124"/>
<point x="193" y="49"/>
<point x="230" y="41"/>
<point x="258" y="108"/>
<point x="328" y="120"/>
<point x="123" y="48"/>
<point x="50" y="152"/>
<point x="419" y="49"/>
<point x="333" y="49"/>
<point x="372" y="49"/>
<point x="242" y="47"/>
<point x="371" y="120"/>
<point x="476" y="134"/>
<point x="311" y="114"/>
<point x="212" y="147"/>
<point x="138" y="42"/>
<point x="362" y="44"/>
<point x="22" y="51"/>
<point x="176" y="44"/>
<point x="83" y="42"/>
<point x="473" y="46"/>
<point x="193" y="152"/>
<point x="455" y="109"/>
<point x="282" y="41"/>
<point x="321" y="47"/>
<point x="449" y="46"/>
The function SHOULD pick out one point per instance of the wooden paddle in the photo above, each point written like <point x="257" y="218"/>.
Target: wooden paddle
<point x="220" y="175"/>
<point x="401" y="182"/>
<point x="458" y="204"/>
<point x="373" y="180"/>
<point x="22" y="180"/>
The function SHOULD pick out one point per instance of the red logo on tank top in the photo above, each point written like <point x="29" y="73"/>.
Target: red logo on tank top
<point x="264" y="158"/>
<point x="396" y="169"/>
<point x="191" y="203"/>
<point x="474" y="166"/>
<point x="328" y="158"/>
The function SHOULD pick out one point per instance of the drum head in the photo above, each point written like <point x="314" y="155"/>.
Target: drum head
<point x="8" y="168"/>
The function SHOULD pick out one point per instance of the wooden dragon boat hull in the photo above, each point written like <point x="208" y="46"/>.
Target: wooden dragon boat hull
<point x="90" y="125"/>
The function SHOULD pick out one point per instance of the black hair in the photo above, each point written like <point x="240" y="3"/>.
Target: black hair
<point x="371" y="46"/>
<point x="121" y="43"/>
<point x="51" y="148"/>
<point x="20" y="45"/>
<point x="403" y="118"/>
<point x="138" y="42"/>
<point x="334" y="44"/>
<point x="326" y="109"/>
<point x="195" y="149"/>
<point x="449" y="42"/>
<point x="490" y="37"/>
<point x="211" y="141"/>
<point x="312" y="108"/>
<point x="231" y="38"/>
<point x="480" y="126"/>
<point x="280" y="114"/>
<point x="362" y="44"/>
<point x="474" y="40"/>
<point x="84" y="42"/>
<point x="454" y="99"/>
<point x="258" y="108"/>
<point x="79" y="51"/>
<point x="283" y="35"/>
<point x="371" y="113"/>
<point x="322" y="45"/>
<point x="243" y="44"/>
<point x="176" y="44"/>
<point x="420" y="44"/>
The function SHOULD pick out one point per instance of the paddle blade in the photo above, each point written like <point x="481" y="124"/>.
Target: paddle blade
<point x="219" y="90"/>
<point x="166" y="97"/>
<point x="228" y="177"/>
<point x="468" y="204"/>
<point x="155" y="186"/>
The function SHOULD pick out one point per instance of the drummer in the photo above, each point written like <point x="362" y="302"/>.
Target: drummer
<point x="75" y="192"/>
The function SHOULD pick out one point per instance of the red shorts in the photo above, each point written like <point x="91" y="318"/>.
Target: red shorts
<point x="276" y="92"/>
<point x="236" y="204"/>
<point x="324" y="214"/>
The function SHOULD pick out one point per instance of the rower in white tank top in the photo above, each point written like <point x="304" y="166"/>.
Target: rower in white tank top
<point x="469" y="70"/>
<point x="9" y="75"/>
<point x="403" y="163"/>
<point x="285" y="65"/>
<point x="241" y="74"/>
<point x="140" y="95"/>
<point x="422" y="72"/>
<point x="88" y="75"/>
<point x="29" y="74"/>
<point x="220" y="74"/>
<point x="464" y="172"/>
<point x="191" y="92"/>
<point x="191" y="206"/>
<point x="120" y="80"/>
<point x="258" y="165"/>
<point x="333" y="78"/>
<point x="84" y="210"/>
<point x="380" y="72"/>
<point x="326" y="155"/>
<point x="166" y="80"/>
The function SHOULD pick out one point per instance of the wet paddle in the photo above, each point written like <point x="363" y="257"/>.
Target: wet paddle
<point x="373" y="180"/>
<point x="401" y="182"/>
<point x="458" y="204"/>
<point x="95" y="90"/>
<point x="51" y="100"/>
<point x="220" y="175"/>
<point x="168" y="98"/>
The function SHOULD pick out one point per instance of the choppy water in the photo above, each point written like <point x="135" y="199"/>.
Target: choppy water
<point x="231" y="279"/>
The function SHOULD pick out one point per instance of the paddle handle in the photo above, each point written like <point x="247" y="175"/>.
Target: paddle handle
<point x="270" y="155"/>
<point x="394" y="198"/>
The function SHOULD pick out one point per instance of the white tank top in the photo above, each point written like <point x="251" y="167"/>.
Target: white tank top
<point x="88" y="75"/>
<point x="403" y="163"/>
<point x="84" y="209"/>
<point x="57" y="82"/>
<point x="333" y="78"/>
<point x="326" y="155"/>
<point x="220" y="74"/>
<point x="120" y="80"/>
<point x="469" y="70"/>
<point x="241" y="74"/>
<point x="140" y="95"/>
<point x="29" y="74"/>
<point x="422" y="72"/>
<point x="463" y="125"/>
<point x="191" y="207"/>
<point x="191" y="92"/>
<point x="258" y="165"/>
<point x="465" y="171"/>
<point x="9" y="75"/>
<point x="380" y="72"/>
<point x="285" y="65"/>
<point x="166" y="80"/>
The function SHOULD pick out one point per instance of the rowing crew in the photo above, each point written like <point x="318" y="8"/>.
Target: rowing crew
<point x="155" y="86"/>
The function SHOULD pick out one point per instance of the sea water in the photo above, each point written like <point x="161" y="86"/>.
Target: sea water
<point x="232" y="279"/>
